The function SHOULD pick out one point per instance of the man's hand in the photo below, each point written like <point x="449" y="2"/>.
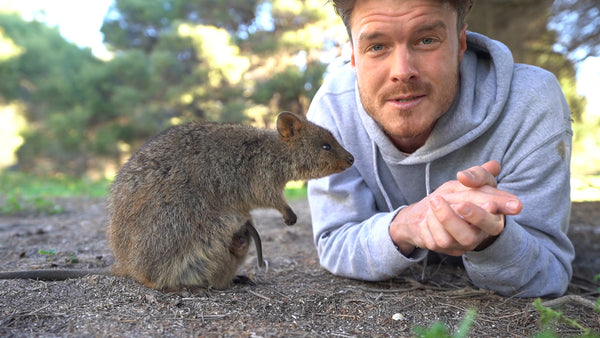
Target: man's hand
<point x="460" y="216"/>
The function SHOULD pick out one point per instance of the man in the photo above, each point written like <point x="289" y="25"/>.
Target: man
<point x="458" y="151"/>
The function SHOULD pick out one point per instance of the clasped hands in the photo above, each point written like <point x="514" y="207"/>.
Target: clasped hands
<point x="460" y="216"/>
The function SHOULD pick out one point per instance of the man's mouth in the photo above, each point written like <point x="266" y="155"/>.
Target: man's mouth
<point x="407" y="102"/>
<point x="408" y="99"/>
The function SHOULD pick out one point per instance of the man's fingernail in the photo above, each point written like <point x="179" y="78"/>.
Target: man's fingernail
<point x="468" y="174"/>
<point x="435" y="203"/>
<point x="512" y="204"/>
<point x="465" y="211"/>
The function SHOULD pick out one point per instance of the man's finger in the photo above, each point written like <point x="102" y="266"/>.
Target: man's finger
<point x="490" y="223"/>
<point x="491" y="199"/>
<point x="445" y="225"/>
<point x="479" y="176"/>
<point x="493" y="167"/>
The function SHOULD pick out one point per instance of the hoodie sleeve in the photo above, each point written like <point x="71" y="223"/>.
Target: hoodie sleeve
<point x="352" y="238"/>
<point x="533" y="255"/>
<point x="350" y="233"/>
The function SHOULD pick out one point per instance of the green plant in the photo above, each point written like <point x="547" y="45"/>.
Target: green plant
<point x="438" y="329"/>
<point x="49" y="253"/>
<point x="72" y="259"/>
<point x="550" y="317"/>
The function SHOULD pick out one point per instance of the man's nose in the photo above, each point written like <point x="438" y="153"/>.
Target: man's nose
<point x="403" y="65"/>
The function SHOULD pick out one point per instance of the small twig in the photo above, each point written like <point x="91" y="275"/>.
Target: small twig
<point x="203" y="316"/>
<point x="264" y="297"/>
<point x="37" y="310"/>
<point x="367" y="289"/>
<point x="416" y="285"/>
<point x="569" y="299"/>
<point x="14" y="315"/>
<point x="342" y="335"/>
<point x="466" y="292"/>
<point x="283" y="295"/>
<point x="516" y="314"/>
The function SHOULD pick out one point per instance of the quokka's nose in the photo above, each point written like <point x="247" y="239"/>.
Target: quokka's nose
<point x="350" y="159"/>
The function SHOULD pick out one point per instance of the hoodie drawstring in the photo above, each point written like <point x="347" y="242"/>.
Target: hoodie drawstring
<point x="427" y="191"/>
<point x="427" y="183"/>
<point x="388" y="201"/>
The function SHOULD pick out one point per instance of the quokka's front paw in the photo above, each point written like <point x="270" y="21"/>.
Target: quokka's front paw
<point x="290" y="217"/>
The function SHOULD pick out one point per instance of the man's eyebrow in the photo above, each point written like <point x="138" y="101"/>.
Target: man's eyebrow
<point x="431" y="26"/>
<point x="370" y="36"/>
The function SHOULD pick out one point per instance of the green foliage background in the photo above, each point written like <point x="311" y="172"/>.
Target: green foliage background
<point x="230" y="61"/>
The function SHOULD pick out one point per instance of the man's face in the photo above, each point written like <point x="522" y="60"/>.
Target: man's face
<point x="406" y="56"/>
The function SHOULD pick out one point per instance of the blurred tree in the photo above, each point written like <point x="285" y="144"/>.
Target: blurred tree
<point x="533" y="29"/>
<point x="44" y="74"/>
<point x="578" y="25"/>
<point x="140" y="23"/>
<point x="217" y="60"/>
<point x="520" y="24"/>
<point x="290" y="54"/>
<point x="227" y="60"/>
<point x="523" y="26"/>
<point x="174" y="61"/>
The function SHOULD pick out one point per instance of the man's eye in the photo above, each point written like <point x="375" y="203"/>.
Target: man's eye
<point x="377" y="48"/>
<point x="427" y="41"/>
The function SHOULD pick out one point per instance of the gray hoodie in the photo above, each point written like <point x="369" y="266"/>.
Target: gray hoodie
<point x="512" y="113"/>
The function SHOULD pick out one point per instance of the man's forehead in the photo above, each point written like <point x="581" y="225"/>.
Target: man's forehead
<point x="398" y="8"/>
<point x="367" y="21"/>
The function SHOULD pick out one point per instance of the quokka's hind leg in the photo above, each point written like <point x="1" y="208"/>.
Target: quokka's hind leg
<point x="243" y="280"/>
<point x="215" y="267"/>
<point x="214" y="262"/>
<point x="239" y="247"/>
<point x="240" y="241"/>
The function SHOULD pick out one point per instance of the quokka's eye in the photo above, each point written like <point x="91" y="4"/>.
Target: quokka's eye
<point x="326" y="146"/>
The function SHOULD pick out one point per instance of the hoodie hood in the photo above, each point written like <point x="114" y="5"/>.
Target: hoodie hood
<point x="481" y="98"/>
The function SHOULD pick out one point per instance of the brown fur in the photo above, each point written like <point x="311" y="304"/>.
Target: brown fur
<point x="180" y="208"/>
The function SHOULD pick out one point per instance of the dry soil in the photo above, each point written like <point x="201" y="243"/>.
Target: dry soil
<point x="294" y="297"/>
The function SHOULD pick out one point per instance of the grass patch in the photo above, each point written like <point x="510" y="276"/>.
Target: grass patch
<point x="29" y="185"/>
<point x="296" y="190"/>
<point x="22" y="193"/>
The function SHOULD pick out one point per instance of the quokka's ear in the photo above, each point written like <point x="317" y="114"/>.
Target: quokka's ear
<point x="288" y="125"/>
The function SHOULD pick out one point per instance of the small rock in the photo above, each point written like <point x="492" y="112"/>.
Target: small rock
<point x="398" y="316"/>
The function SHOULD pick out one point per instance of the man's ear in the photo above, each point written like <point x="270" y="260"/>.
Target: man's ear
<point x="288" y="125"/>
<point x="462" y="42"/>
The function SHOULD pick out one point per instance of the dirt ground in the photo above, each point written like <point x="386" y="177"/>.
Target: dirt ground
<point x="294" y="297"/>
